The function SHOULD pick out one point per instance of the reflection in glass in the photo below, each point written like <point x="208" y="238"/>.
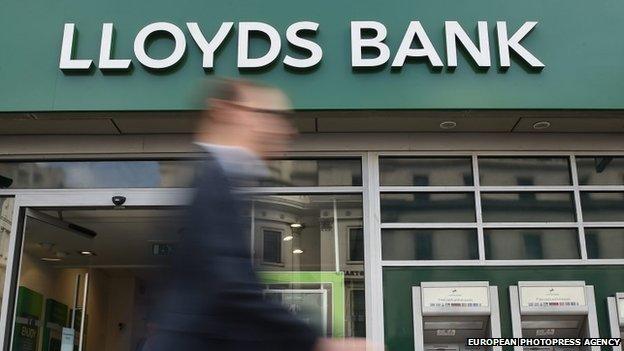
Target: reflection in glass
<point x="427" y="207"/>
<point x="168" y="174"/>
<point x="321" y="236"/>
<point x="429" y="244"/>
<point x="604" y="243"/>
<point x="528" y="207"/>
<point x="531" y="244"/>
<point x="512" y="171"/>
<point x="600" y="170"/>
<point x="6" y="216"/>
<point x="98" y="174"/>
<point x="602" y="206"/>
<point x="319" y="172"/>
<point x="425" y="171"/>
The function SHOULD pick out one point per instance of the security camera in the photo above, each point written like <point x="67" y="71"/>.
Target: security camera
<point x="119" y="200"/>
<point x="5" y="182"/>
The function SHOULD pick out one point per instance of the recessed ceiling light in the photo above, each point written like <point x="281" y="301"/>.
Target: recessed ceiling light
<point x="297" y="251"/>
<point x="288" y="238"/>
<point x="541" y="125"/>
<point x="448" y="124"/>
<point x="86" y="253"/>
<point x="50" y="259"/>
<point x="296" y="225"/>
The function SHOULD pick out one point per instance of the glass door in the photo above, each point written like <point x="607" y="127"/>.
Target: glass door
<point x="85" y="270"/>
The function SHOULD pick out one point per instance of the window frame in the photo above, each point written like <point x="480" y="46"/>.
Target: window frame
<point x="349" y="261"/>
<point x="280" y="232"/>
<point x="574" y="189"/>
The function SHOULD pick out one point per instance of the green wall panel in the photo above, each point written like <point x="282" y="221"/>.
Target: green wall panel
<point x="576" y="39"/>
<point x="397" y="283"/>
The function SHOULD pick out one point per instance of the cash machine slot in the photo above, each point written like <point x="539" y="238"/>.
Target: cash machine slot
<point x="447" y="313"/>
<point x="553" y="309"/>
<point x="615" y="306"/>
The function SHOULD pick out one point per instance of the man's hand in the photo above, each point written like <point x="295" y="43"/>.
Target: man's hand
<point x="349" y="344"/>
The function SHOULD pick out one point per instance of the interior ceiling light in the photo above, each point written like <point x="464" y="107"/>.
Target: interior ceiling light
<point x="50" y="259"/>
<point x="296" y="225"/>
<point x="288" y="238"/>
<point x="448" y="124"/>
<point x="541" y="125"/>
<point x="86" y="253"/>
<point x="297" y="251"/>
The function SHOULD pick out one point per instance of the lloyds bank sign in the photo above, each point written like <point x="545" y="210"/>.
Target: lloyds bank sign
<point x="367" y="45"/>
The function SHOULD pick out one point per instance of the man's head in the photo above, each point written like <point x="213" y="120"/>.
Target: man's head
<point x="246" y="115"/>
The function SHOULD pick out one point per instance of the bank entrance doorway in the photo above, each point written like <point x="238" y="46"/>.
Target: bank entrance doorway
<point x="86" y="271"/>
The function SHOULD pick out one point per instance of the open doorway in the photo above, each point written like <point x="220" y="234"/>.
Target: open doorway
<point x="88" y="277"/>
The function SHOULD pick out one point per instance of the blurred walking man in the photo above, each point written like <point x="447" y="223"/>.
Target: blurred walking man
<point x="214" y="300"/>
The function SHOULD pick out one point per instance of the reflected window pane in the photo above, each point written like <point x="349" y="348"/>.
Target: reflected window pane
<point x="321" y="237"/>
<point x="429" y="244"/>
<point x="6" y="216"/>
<point x="168" y="174"/>
<point x="602" y="206"/>
<point x="500" y="171"/>
<point x="98" y="174"/>
<point x="605" y="243"/>
<point x="425" y="171"/>
<point x="356" y="244"/>
<point x="605" y="170"/>
<point x="272" y="247"/>
<point x="528" y="207"/>
<point x="427" y="207"/>
<point x="531" y="244"/>
<point x="321" y="172"/>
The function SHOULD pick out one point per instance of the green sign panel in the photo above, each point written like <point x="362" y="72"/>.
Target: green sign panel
<point x="89" y="55"/>
<point x="27" y="320"/>
<point x="56" y="314"/>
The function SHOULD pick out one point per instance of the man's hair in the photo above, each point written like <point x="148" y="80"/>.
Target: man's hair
<point x="231" y="89"/>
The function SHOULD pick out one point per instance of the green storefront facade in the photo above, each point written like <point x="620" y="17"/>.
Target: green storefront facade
<point x="465" y="141"/>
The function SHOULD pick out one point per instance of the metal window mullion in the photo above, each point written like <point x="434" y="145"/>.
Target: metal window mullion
<point x="372" y="250"/>
<point x="302" y="190"/>
<point x="601" y="188"/>
<point x="579" y="211"/>
<point x="509" y="263"/>
<point x="603" y="224"/>
<point x="426" y="189"/>
<point x="478" y="210"/>
<point x="433" y="225"/>
<point x="530" y="225"/>
<point x="525" y="188"/>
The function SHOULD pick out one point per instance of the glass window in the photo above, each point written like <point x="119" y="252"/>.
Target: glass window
<point x="6" y="216"/>
<point x="602" y="206"/>
<point x="429" y="244"/>
<point x="358" y="313"/>
<point x="528" y="207"/>
<point x="97" y="174"/>
<point x="600" y="170"/>
<point x="427" y="207"/>
<point x="425" y="171"/>
<point x="512" y="171"/>
<point x="605" y="243"/>
<point x="356" y="244"/>
<point x="320" y="236"/>
<point x="320" y="172"/>
<point x="531" y="244"/>
<point x="168" y="174"/>
<point x="272" y="247"/>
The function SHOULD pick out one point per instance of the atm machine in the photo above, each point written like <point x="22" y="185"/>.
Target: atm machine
<point x="446" y="313"/>
<point x="615" y="306"/>
<point x="553" y="309"/>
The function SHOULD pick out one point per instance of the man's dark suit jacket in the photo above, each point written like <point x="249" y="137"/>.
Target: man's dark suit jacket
<point x="213" y="299"/>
